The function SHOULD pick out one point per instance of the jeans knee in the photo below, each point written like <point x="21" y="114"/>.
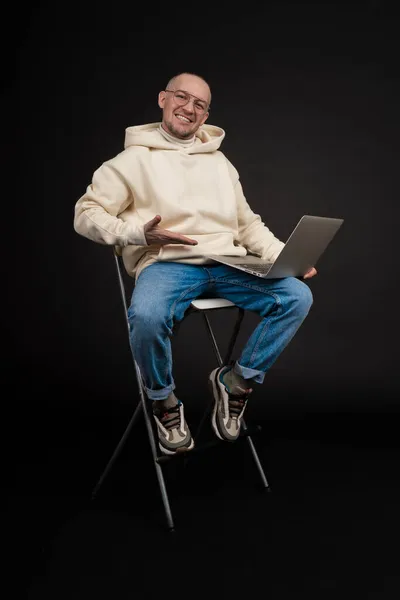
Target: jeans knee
<point x="303" y="298"/>
<point x="146" y="322"/>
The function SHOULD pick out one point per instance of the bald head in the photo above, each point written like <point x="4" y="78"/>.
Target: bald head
<point x="178" y="82"/>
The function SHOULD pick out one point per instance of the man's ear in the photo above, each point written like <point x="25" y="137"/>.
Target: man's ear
<point x="204" y="119"/>
<point x="161" y="99"/>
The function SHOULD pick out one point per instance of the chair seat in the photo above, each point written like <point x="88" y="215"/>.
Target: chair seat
<point x="210" y="303"/>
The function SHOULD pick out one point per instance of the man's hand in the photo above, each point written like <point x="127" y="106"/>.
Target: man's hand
<point x="156" y="235"/>
<point x="310" y="273"/>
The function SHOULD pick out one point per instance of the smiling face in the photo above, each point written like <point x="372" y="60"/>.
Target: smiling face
<point x="179" y="120"/>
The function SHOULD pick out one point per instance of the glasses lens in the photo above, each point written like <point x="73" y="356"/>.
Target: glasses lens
<point x="200" y="106"/>
<point x="182" y="98"/>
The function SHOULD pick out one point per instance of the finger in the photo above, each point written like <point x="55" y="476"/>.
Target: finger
<point x="182" y="240"/>
<point x="189" y="241"/>
<point x="154" y="221"/>
<point x="177" y="238"/>
<point x="310" y="273"/>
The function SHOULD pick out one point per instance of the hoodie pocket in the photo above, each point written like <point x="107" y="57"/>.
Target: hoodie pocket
<point x="211" y="243"/>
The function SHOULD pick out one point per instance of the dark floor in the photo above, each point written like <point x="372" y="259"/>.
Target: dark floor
<point x="329" y="528"/>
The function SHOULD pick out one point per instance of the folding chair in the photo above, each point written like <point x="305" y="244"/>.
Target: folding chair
<point x="202" y="306"/>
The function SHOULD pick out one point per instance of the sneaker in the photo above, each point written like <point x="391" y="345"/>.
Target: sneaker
<point x="228" y="408"/>
<point x="173" y="432"/>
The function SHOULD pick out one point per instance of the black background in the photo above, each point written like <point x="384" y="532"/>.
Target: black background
<point x="308" y="95"/>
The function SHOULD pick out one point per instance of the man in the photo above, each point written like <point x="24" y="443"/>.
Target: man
<point x="167" y="200"/>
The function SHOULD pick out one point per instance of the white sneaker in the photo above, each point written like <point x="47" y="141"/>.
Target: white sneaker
<point x="228" y="408"/>
<point x="173" y="432"/>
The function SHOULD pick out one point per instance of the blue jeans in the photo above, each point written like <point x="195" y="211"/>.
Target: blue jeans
<point x="164" y="291"/>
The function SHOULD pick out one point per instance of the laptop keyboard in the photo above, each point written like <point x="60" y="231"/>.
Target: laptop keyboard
<point x="257" y="267"/>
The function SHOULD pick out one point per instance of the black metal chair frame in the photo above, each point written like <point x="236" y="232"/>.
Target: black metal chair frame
<point x="202" y="306"/>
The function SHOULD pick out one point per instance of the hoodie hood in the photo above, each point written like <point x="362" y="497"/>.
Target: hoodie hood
<point x="208" y="138"/>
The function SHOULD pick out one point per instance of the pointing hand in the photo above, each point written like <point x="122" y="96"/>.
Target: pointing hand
<point x="156" y="235"/>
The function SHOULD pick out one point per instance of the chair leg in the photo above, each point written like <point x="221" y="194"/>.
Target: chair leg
<point x="234" y="335"/>
<point x="117" y="451"/>
<point x="232" y="340"/>
<point x="221" y="363"/>
<point x="159" y="472"/>
<point x="142" y="406"/>
<point x="256" y="458"/>
<point x="145" y="407"/>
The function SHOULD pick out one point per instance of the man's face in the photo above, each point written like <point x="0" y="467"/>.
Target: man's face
<point x="183" y="120"/>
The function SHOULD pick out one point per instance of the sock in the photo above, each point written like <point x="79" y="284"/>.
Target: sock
<point x="234" y="383"/>
<point x="169" y="402"/>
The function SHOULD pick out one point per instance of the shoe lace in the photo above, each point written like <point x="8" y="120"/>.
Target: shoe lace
<point x="169" y="417"/>
<point x="236" y="403"/>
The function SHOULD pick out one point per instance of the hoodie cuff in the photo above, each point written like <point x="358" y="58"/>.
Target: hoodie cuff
<point x="135" y="237"/>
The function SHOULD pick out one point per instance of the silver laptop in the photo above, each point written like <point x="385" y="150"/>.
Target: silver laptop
<point x="305" y="245"/>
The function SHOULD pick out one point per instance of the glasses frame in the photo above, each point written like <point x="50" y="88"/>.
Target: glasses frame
<point x="207" y="109"/>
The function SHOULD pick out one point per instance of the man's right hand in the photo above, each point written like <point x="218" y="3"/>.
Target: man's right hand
<point x="156" y="235"/>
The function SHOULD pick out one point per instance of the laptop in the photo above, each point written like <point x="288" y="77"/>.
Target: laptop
<point x="304" y="247"/>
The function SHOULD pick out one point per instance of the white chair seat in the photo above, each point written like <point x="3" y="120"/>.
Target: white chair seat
<point x="210" y="303"/>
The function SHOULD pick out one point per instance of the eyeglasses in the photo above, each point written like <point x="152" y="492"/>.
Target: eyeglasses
<point x="181" y="98"/>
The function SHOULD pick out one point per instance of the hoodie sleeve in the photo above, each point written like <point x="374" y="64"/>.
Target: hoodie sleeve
<point x="253" y="234"/>
<point x="96" y="212"/>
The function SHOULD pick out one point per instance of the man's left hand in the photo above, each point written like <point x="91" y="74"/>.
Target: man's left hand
<point x="310" y="273"/>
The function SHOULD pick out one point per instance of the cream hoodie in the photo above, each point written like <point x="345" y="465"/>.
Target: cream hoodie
<point x="195" y="190"/>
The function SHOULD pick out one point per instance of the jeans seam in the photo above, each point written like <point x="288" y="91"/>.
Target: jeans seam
<point x="189" y="289"/>
<point x="263" y="332"/>
<point x="266" y="293"/>
<point x="246" y="285"/>
<point x="253" y="287"/>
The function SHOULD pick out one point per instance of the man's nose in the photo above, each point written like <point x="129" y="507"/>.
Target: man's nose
<point x="189" y="106"/>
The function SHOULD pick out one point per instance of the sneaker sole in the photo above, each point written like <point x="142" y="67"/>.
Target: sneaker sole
<point x="180" y="450"/>
<point x="214" y="390"/>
